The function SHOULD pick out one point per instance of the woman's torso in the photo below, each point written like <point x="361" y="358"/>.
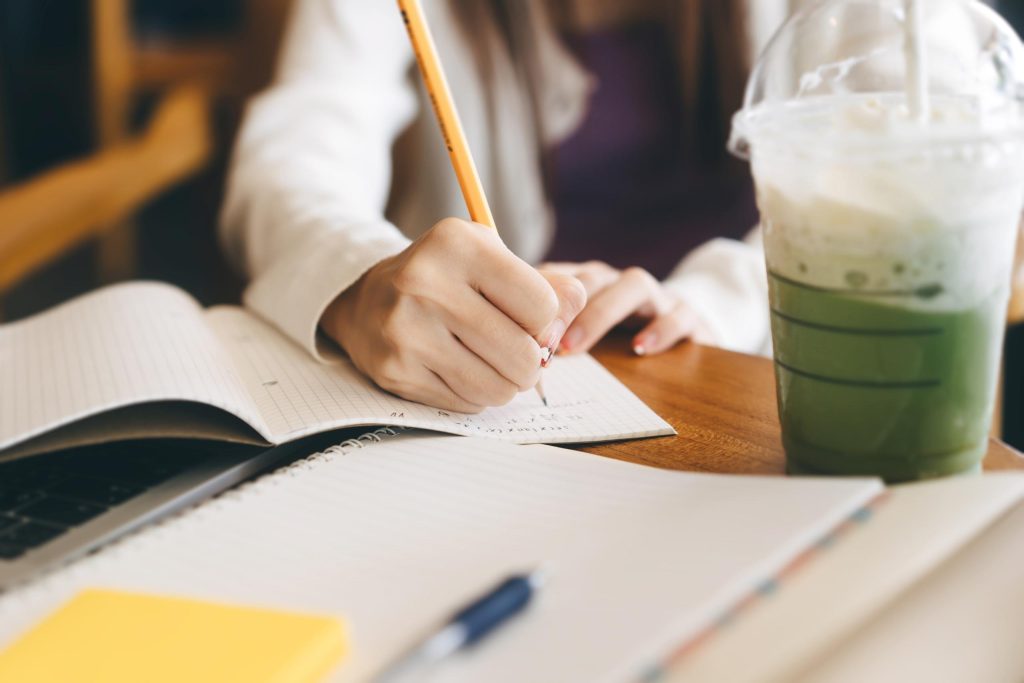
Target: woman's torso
<point x="622" y="187"/>
<point x="495" y="116"/>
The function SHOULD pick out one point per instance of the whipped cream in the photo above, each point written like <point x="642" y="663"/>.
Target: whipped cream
<point x="927" y="210"/>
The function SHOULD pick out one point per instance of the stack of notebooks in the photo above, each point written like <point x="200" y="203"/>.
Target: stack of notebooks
<point x="652" y="574"/>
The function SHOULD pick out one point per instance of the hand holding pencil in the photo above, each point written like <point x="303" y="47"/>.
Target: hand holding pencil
<point x="456" y="320"/>
<point x="453" y="320"/>
<point x="458" y="149"/>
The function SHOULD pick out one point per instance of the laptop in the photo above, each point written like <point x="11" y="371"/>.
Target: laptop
<point x="57" y="507"/>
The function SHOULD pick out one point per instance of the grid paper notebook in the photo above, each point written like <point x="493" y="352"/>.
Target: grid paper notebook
<point x="398" y="534"/>
<point x="144" y="343"/>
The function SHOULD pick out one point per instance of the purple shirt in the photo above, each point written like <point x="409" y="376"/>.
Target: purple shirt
<point x="621" y="188"/>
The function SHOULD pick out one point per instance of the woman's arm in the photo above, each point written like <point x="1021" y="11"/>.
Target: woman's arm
<point x="304" y="216"/>
<point x="455" y="319"/>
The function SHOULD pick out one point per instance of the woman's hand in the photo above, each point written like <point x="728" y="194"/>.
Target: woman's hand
<point x="634" y="297"/>
<point x="454" y="320"/>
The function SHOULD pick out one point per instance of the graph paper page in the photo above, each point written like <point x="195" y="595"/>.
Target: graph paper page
<point x="296" y="395"/>
<point x="118" y="346"/>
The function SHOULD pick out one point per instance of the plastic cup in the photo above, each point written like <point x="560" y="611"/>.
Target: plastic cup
<point x="889" y="238"/>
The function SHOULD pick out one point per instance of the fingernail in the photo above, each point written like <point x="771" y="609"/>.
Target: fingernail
<point x="547" y="352"/>
<point x="554" y="339"/>
<point x="572" y="339"/>
<point x="642" y="343"/>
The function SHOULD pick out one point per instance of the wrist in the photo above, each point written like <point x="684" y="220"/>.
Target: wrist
<point x="340" y="318"/>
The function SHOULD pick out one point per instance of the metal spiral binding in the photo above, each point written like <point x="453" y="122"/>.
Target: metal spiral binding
<point x="342" y="448"/>
<point x="192" y="515"/>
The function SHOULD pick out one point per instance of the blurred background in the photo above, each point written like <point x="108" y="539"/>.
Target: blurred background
<point x="122" y="110"/>
<point x="116" y="122"/>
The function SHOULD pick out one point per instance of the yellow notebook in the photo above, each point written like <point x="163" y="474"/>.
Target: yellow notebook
<point x="114" y="637"/>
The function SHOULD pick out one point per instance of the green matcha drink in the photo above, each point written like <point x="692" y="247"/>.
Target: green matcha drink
<point x="866" y="387"/>
<point x="887" y="318"/>
<point x="889" y="216"/>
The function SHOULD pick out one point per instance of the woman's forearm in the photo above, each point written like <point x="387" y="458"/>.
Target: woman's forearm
<point x="304" y="215"/>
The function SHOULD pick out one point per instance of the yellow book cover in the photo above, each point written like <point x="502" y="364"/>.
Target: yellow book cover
<point x="104" y="636"/>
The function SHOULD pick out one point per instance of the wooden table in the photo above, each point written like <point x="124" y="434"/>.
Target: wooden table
<point x="723" y="406"/>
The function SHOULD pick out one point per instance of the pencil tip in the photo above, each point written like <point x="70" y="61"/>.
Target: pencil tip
<point x="545" y="400"/>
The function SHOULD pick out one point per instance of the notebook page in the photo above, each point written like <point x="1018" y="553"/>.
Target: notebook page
<point x="117" y="346"/>
<point x="397" y="535"/>
<point x="961" y="623"/>
<point x="297" y="395"/>
<point x="915" y="532"/>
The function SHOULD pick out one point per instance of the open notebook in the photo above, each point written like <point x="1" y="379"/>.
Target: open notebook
<point x="142" y="344"/>
<point x="396" y="535"/>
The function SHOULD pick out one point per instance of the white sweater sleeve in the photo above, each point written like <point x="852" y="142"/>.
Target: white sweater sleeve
<point x="725" y="283"/>
<point x="304" y="214"/>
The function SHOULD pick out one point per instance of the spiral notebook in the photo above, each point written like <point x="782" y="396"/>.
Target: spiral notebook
<point x="144" y="359"/>
<point x="393" y="533"/>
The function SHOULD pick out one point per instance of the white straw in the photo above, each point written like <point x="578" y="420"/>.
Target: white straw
<point x="917" y="61"/>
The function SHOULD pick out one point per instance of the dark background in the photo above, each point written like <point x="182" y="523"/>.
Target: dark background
<point x="46" y="117"/>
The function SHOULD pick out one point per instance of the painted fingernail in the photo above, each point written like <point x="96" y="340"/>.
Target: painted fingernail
<point x="572" y="339"/>
<point x="642" y="343"/>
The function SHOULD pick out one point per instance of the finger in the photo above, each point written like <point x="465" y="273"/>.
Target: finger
<point x="476" y="254"/>
<point x="665" y="331"/>
<point x="572" y="299"/>
<point x="414" y="382"/>
<point x="634" y="290"/>
<point x="515" y="288"/>
<point x="596" y="276"/>
<point x="495" y="338"/>
<point x="436" y="393"/>
<point x="467" y="375"/>
<point x="562" y="267"/>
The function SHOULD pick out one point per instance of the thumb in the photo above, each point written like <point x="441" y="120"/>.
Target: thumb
<point x="572" y="297"/>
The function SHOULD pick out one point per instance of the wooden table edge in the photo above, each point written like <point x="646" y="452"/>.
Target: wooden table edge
<point x="722" y="405"/>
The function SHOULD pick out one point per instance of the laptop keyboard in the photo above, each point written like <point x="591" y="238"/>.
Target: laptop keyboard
<point x="45" y="496"/>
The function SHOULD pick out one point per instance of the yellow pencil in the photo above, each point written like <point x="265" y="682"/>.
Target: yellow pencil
<point x="447" y="115"/>
<point x="451" y="126"/>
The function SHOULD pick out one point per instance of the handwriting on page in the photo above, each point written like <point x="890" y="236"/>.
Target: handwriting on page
<point x="296" y="395"/>
<point x="555" y="419"/>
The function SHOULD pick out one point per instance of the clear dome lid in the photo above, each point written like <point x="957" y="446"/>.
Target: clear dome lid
<point x="966" y="60"/>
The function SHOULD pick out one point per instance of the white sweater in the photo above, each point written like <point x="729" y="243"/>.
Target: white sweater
<point x="339" y="164"/>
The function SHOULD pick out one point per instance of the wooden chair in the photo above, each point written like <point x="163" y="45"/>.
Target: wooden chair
<point x="46" y="216"/>
<point x="229" y="67"/>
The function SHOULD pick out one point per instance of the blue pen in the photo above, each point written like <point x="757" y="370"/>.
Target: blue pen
<point x="468" y="626"/>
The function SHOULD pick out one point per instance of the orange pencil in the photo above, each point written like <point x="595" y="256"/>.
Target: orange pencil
<point x="447" y="115"/>
<point x="451" y="126"/>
